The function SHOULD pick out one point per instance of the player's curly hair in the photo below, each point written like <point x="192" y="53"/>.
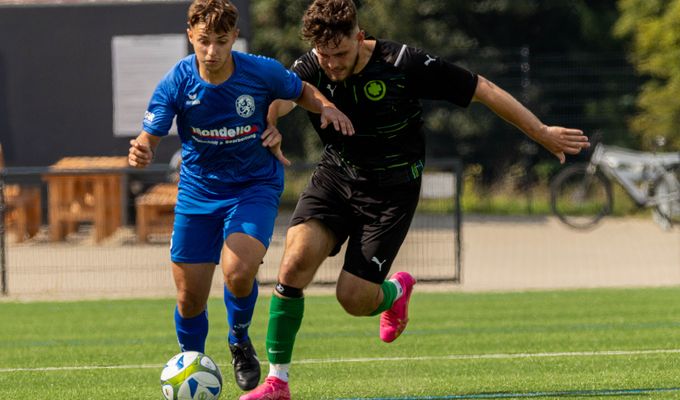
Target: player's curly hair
<point x="218" y="15"/>
<point x="329" y="21"/>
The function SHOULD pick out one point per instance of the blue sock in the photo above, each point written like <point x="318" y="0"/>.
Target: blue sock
<point x="191" y="332"/>
<point x="239" y="314"/>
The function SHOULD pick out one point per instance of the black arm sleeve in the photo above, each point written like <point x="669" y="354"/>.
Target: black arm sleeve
<point x="437" y="79"/>
<point x="307" y="68"/>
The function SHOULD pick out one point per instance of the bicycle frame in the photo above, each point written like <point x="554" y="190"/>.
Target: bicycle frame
<point x="635" y="171"/>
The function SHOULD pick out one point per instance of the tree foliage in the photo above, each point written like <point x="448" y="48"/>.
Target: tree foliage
<point x="486" y="36"/>
<point x="653" y="28"/>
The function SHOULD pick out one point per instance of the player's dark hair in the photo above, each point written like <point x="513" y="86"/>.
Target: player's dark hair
<point x="329" y="21"/>
<point x="218" y="15"/>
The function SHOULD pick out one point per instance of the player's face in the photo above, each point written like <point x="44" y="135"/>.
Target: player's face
<point x="339" y="62"/>
<point x="213" y="49"/>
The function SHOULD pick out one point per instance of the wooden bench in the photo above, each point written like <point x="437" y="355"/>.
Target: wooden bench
<point x="85" y="189"/>
<point x="155" y="211"/>
<point x="23" y="213"/>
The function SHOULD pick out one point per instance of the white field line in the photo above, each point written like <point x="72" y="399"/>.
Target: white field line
<point x="499" y="356"/>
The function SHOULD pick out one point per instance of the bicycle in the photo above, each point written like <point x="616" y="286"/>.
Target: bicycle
<point x="581" y="194"/>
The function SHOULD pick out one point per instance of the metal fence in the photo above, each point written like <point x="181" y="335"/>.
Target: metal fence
<point x="82" y="259"/>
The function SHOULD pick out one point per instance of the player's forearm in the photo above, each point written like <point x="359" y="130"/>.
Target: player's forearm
<point x="508" y="108"/>
<point x="312" y="100"/>
<point x="277" y="109"/>
<point x="150" y="140"/>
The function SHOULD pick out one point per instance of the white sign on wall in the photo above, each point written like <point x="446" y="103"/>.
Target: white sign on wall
<point x="139" y="63"/>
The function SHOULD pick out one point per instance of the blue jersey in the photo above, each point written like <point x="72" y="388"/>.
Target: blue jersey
<point x="220" y="127"/>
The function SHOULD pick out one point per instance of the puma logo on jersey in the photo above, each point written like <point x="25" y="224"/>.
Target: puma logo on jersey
<point x="331" y="89"/>
<point x="380" y="264"/>
<point x="429" y="60"/>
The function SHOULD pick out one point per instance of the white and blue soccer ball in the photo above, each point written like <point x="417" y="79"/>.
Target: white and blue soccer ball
<point x="191" y="376"/>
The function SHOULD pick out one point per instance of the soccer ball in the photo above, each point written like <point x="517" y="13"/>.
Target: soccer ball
<point x="191" y="376"/>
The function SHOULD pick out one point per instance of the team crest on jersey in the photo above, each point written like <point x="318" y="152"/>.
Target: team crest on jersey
<point x="245" y="105"/>
<point x="375" y="90"/>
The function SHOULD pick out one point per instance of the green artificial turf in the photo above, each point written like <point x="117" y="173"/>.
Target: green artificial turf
<point x="564" y="344"/>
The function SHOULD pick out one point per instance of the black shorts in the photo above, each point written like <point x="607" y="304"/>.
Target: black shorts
<point x="374" y="218"/>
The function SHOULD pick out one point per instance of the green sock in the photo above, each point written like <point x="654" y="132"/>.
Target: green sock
<point x="389" y="290"/>
<point x="285" y="318"/>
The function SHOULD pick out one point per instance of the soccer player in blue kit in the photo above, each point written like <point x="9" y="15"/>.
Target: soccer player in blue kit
<point x="231" y="175"/>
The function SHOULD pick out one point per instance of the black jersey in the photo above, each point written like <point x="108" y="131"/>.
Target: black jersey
<point x="383" y="103"/>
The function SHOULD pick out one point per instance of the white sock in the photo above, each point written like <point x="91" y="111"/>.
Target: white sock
<point x="400" y="290"/>
<point x="279" y="370"/>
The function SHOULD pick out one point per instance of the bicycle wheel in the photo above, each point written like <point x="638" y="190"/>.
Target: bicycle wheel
<point x="667" y="195"/>
<point x="580" y="199"/>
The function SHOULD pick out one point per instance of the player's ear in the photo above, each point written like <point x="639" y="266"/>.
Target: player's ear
<point x="190" y="35"/>
<point x="361" y="35"/>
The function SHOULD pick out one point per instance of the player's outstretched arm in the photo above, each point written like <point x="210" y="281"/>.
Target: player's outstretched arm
<point x="142" y="149"/>
<point x="279" y="108"/>
<point x="313" y="100"/>
<point x="556" y="139"/>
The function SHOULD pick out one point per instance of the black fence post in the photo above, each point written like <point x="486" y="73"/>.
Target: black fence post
<point x="3" y="258"/>
<point x="458" y="220"/>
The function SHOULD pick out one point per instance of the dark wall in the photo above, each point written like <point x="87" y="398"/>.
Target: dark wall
<point x="56" y="94"/>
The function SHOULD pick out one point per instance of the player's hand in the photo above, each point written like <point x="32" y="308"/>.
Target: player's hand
<point x="271" y="138"/>
<point x="331" y="115"/>
<point x="140" y="155"/>
<point x="559" y="140"/>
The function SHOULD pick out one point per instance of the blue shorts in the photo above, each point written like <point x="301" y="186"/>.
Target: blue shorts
<point x="198" y="238"/>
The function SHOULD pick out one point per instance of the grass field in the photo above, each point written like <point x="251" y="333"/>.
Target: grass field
<point x="575" y="344"/>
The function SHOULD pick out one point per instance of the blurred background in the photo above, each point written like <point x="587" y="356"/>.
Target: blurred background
<point x="75" y="77"/>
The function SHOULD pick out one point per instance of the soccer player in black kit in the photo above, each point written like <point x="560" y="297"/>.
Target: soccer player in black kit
<point x="366" y="187"/>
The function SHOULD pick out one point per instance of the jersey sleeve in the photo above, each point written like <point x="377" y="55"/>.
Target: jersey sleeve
<point x="162" y="108"/>
<point x="306" y="67"/>
<point x="284" y="83"/>
<point x="437" y="79"/>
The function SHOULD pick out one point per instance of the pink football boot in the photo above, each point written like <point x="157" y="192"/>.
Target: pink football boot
<point x="272" y="388"/>
<point x="393" y="321"/>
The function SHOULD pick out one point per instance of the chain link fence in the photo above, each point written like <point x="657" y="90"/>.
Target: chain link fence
<point x="86" y="260"/>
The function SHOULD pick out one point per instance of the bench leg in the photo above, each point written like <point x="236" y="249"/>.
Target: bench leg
<point x="35" y="216"/>
<point x="142" y="223"/>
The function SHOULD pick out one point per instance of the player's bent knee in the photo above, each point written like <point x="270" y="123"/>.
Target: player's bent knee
<point x="189" y="306"/>
<point x="239" y="283"/>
